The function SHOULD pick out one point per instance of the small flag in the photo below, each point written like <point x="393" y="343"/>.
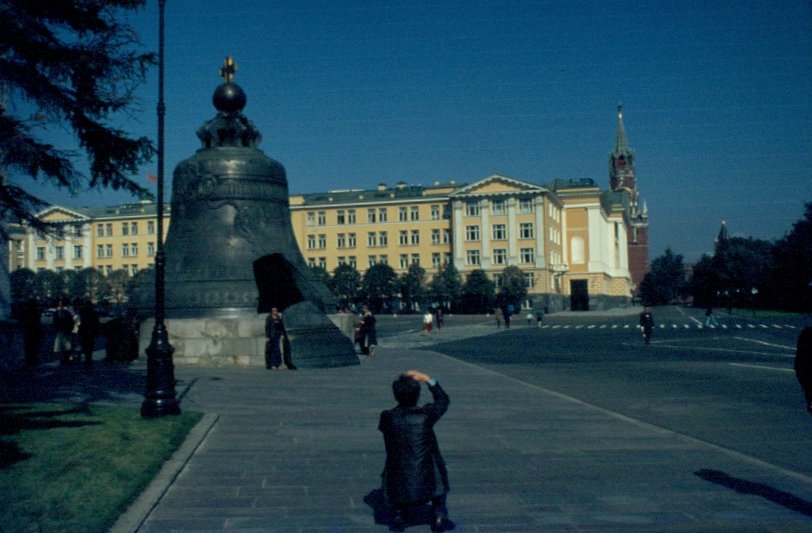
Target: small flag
<point x="152" y="177"/>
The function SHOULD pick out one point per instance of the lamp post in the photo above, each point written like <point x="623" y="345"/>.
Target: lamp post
<point x="159" y="397"/>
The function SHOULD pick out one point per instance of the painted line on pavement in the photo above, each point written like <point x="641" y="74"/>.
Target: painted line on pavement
<point x="763" y="367"/>
<point x="765" y="343"/>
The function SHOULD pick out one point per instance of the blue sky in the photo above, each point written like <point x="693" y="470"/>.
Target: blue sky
<point x="717" y="98"/>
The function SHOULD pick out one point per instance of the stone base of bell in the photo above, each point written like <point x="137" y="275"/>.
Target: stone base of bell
<point x="316" y="340"/>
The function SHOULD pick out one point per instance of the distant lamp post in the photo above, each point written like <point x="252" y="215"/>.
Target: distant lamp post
<point x="159" y="397"/>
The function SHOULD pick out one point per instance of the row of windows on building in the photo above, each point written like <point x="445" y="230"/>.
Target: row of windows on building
<point x="376" y="215"/>
<point x="127" y="229"/>
<point x="103" y="251"/>
<point x="132" y="270"/>
<point x="499" y="256"/>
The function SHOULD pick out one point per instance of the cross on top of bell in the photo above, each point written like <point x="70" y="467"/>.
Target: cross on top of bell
<point x="228" y="69"/>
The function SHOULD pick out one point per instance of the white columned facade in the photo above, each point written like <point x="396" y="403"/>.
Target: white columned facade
<point x="538" y="206"/>
<point x="485" y="234"/>
<point x="513" y="254"/>
<point x="459" y="260"/>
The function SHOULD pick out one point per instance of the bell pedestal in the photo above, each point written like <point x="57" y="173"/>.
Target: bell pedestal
<point x="316" y="338"/>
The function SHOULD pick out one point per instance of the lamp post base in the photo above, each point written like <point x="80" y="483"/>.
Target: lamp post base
<point x="159" y="399"/>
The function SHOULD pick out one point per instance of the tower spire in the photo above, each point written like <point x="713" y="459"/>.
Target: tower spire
<point x="621" y="143"/>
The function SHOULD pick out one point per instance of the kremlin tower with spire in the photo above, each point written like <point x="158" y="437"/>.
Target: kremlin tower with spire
<point x="622" y="179"/>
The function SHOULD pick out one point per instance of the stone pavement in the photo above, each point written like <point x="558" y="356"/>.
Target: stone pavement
<point x="300" y="452"/>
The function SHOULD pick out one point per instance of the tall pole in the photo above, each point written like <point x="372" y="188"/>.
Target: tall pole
<point x="159" y="398"/>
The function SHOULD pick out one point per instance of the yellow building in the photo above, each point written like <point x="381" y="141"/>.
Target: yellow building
<point x="567" y="238"/>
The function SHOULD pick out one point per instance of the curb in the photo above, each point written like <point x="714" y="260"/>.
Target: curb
<point x="137" y="513"/>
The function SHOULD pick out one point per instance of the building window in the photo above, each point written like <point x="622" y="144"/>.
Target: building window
<point x="108" y="250"/>
<point x="353" y="261"/>
<point x="311" y="262"/>
<point x="446" y="236"/>
<point x="499" y="256"/>
<point x="150" y="249"/>
<point x="372" y="239"/>
<point x="311" y="242"/>
<point x="446" y="258"/>
<point x="351" y="242"/>
<point x="577" y="251"/>
<point x="472" y="258"/>
<point x="125" y="250"/>
<point x="100" y="230"/>
<point x="108" y="269"/>
<point x="371" y="215"/>
<point x="529" y="279"/>
<point x="415" y="259"/>
<point x="372" y="260"/>
<point x="322" y="218"/>
<point x="134" y="249"/>
<point x="403" y="237"/>
<point x="108" y="229"/>
<point x="402" y="214"/>
<point x="99" y="251"/>
<point x="125" y="228"/>
<point x="311" y="221"/>
<point x="340" y="217"/>
<point x="341" y="260"/>
<point x="526" y="255"/>
<point x="435" y="259"/>
<point x="351" y="216"/>
<point x="404" y="261"/>
<point x="472" y="209"/>
<point x="471" y="233"/>
<point x="60" y="252"/>
<point x="526" y="230"/>
<point x="150" y="227"/>
<point x="384" y="259"/>
<point x="383" y="238"/>
<point x="323" y="262"/>
<point x="499" y="232"/>
<point x="497" y="281"/>
<point x="134" y="228"/>
<point x="341" y="240"/>
<point x="526" y="205"/>
<point x="498" y="207"/>
<point x="415" y="237"/>
<point x="435" y="236"/>
<point x="435" y="212"/>
<point x="77" y="251"/>
<point x="382" y="214"/>
<point x="415" y="213"/>
<point x="322" y="241"/>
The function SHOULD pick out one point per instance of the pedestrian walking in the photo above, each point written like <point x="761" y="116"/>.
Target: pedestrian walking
<point x="539" y="317"/>
<point x="647" y="324"/>
<point x="88" y="329"/>
<point x="370" y="333"/>
<point x="710" y="318"/>
<point x="415" y="472"/>
<point x="277" y="345"/>
<point x="438" y="318"/>
<point x="507" y="312"/>
<point x="64" y="322"/>
<point x="428" y="318"/>
<point x="497" y="313"/>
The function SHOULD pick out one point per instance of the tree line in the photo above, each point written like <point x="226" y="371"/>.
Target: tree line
<point x="380" y="287"/>
<point x="742" y="272"/>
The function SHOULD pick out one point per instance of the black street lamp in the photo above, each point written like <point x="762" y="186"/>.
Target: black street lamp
<point x="159" y="397"/>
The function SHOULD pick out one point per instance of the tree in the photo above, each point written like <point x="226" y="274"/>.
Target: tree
<point x="412" y="286"/>
<point x="665" y="280"/>
<point x="67" y="64"/>
<point x="379" y="286"/>
<point x="445" y="287"/>
<point x="49" y="287"/>
<point x="96" y="287"/>
<point x="791" y="276"/>
<point x="346" y="284"/>
<point x="320" y="274"/>
<point x="23" y="284"/>
<point x="478" y="292"/>
<point x="513" y="287"/>
<point x="119" y="281"/>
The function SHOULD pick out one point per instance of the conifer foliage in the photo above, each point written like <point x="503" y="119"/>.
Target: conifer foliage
<point x="68" y="64"/>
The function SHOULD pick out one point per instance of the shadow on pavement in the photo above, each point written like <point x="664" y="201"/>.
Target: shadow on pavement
<point x="743" y="486"/>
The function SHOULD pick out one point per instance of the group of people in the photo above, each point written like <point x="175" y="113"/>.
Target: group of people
<point x="430" y="318"/>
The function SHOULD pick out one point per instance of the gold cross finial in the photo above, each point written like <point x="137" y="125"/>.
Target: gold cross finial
<point x="228" y="69"/>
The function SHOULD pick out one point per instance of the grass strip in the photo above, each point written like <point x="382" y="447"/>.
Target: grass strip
<point x="77" y="467"/>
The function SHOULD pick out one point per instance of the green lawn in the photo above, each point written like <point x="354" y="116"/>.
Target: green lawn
<point x="77" y="467"/>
